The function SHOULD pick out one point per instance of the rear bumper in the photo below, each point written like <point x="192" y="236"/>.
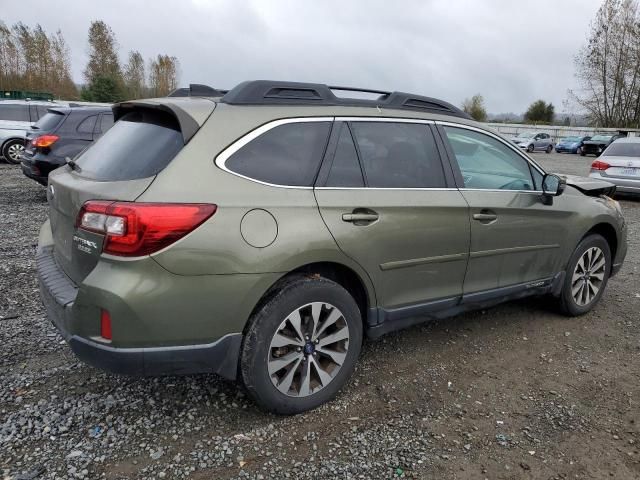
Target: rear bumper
<point x="625" y="185"/>
<point x="34" y="173"/>
<point x="59" y="295"/>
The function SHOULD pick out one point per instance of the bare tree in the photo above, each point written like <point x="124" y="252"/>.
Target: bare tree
<point x="608" y="66"/>
<point x="163" y="75"/>
<point x="134" y="76"/>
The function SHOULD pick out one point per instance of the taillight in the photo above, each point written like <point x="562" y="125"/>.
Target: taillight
<point x="135" y="229"/>
<point x="44" y="140"/>
<point x="599" y="165"/>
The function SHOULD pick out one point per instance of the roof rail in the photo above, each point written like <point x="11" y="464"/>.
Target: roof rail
<point x="197" y="90"/>
<point x="268" y="92"/>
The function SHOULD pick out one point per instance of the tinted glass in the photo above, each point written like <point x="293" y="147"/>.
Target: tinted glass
<point x="398" y="155"/>
<point x="49" y="121"/>
<point x="106" y="122"/>
<point x="41" y="110"/>
<point x="87" y="125"/>
<point x="285" y="155"/>
<point x="622" y="149"/>
<point x="140" y="145"/>
<point x="487" y="163"/>
<point x="601" y="138"/>
<point x="14" y="112"/>
<point x="345" y="170"/>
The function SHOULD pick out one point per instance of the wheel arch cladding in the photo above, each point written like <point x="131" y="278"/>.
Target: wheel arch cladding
<point x="337" y="272"/>
<point x="607" y="231"/>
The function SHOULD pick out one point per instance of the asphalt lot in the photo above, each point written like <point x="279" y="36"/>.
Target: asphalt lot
<point x="513" y="392"/>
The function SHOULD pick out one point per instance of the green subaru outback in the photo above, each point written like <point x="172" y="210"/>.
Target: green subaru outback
<point x="261" y="233"/>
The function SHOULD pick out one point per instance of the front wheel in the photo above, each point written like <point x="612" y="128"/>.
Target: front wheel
<point x="582" y="152"/>
<point x="301" y="346"/>
<point x="549" y="149"/>
<point x="586" y="276"/>
<point x="12" y="150"/>
<point x="530" y="148"/>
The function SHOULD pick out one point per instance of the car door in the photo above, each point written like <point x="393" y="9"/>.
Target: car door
<point x="515" y="238"/>
<point x="392" y="207"/>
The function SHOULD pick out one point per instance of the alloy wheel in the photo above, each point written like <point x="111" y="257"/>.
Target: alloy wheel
<point x="308" y="349"/>
<point x="15" y="151"/>
<point x="588" y="276"/>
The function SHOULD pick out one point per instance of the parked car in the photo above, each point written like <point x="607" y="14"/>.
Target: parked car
<point x="16" y="117"/>
<point x="59" y="136"/>
<point x="262" y="234"/>
<point x="532" y="141"/>
<point x="598" y="143"/>
<point x="571" y="144"/>
<point x="620" y="165"/>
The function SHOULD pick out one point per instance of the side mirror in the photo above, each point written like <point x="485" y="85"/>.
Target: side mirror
<point x="552" y="186"/>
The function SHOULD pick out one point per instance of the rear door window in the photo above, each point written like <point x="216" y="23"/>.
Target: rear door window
<point x="345" y="170"/>
<point x="399" y="155"/>
<point x="14" y="112"/>
<point x="288" y="154"/>
<point x="139" y="145"/>
<point x="87" y="125"/>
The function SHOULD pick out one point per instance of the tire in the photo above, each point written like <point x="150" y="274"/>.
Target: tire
<point x="574" y="299"/>
<point x="582" y="153"/>
<point x="530" y="148"/>
<point x="549" y="149"/>
<point x="578" y="150"/>
<point x="12" y="150"/>
<point x="281" y="371"/>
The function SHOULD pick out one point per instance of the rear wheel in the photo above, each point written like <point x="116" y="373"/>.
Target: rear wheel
<point x="12" y="150"/>
<point x="301" y="346"/>
<point x="586" y="276"/>
<point x="582" y="152"/>
<point x="530" y="148"/>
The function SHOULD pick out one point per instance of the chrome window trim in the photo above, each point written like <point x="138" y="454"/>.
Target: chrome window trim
<point x="500" y="139"/>
<point x="221" y="159"/>
<point x="223" y="156"/>
<point x="442" y="189"/>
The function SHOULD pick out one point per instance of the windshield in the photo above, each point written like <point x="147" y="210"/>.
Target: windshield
<point x="525" y="135"/>
<point x="139" y="145"/>
<point x="623" y="149"/>
<point x="49" y="121"/>
<point x="600" y="138"/>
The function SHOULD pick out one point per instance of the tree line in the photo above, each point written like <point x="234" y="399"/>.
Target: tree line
<point x="538" y="112"/>
<point x="32" y="59"/>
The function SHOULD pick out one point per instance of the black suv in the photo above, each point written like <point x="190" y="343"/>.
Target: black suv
<point x="60" y="135"/>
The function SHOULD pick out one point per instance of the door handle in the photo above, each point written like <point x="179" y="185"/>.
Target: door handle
<point x="359" y="217"/>
<point x="485" y="216"/>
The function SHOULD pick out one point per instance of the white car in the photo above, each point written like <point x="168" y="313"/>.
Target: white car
<point x="620" y="164"/>
<point x="532" y="141"/>
<point x="16" y="117"/>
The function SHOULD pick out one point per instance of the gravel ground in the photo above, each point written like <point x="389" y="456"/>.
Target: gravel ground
<point x="517" y="391"/>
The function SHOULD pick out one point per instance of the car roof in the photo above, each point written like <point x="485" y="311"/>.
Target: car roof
<point x="29" y="102"/>
<point x="68" y="110"/>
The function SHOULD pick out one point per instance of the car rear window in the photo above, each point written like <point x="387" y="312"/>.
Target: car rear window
<point x="139" y="145"/>
<point x="14" y="112"/>
<point x="623" y="149"/>
<point x="49" y="121"/>
<point x="288" y="154"/>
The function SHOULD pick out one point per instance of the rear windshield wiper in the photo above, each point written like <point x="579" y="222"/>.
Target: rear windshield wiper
<point x="72" y="164"/>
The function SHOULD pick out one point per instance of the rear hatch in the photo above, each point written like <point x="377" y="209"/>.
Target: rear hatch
<point x="47" y="124"/>
<point x="120" y="166"/>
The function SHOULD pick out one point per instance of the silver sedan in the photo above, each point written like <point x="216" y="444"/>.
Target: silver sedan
<point x="620" y="164"/>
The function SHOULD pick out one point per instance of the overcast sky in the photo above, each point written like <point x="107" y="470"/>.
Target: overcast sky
<point x="512" y="52"/>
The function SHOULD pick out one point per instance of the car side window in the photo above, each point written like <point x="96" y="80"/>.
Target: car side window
<point x="288" y="154"/>
<point x="106" y="122"/>
<point x="87" y="125"/>
<point x="345" y="169"/>
<point x="42" y="110"/>
<point x="14" y="112"/>
<point x="488" y="164"/>
<point x="398" y="155"/>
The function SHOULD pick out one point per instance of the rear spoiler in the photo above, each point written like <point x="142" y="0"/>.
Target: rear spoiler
<point x="188" y="125"/>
